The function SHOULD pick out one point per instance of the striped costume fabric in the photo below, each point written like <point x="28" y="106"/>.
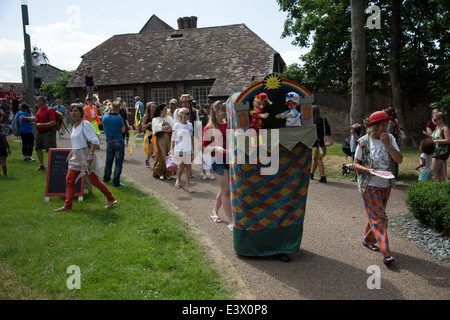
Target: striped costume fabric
<point x="271" y="201"/>
<point x="268" y="210"/>
<point x="375" y="201"/>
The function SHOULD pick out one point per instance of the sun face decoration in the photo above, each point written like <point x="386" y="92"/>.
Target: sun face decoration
<point x="272" y="81"/>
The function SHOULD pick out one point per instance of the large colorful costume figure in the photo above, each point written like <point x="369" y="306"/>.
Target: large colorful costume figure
<point x="269" y="206"/>
<point x="292" y="115"/>
<point x="256" y="116"/>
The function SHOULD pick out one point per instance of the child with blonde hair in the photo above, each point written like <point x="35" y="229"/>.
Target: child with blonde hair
<point x="182" y="146"/>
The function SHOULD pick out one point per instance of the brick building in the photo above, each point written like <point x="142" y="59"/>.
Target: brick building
<point x="160" y="63"/>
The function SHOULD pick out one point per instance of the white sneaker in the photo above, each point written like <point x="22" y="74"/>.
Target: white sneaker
<point x="212" y="177"/>
<point x="204" y="176"/>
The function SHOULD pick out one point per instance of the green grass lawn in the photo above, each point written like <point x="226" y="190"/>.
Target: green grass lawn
<point x="137" y="250"/>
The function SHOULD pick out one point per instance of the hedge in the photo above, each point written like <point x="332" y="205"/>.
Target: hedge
<point x="429" y="202"/>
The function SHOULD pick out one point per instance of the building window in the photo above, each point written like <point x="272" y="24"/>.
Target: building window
<point x="127" y="97"/>
<point x="200" y="94"/>
<point x="162" y="95"/>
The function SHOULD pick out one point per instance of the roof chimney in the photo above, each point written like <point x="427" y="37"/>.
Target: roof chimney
<point x="194" y="22"/>
<point x="187" y="22"/>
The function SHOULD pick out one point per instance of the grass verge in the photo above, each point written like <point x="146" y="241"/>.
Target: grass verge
<point x="137" y="250"/>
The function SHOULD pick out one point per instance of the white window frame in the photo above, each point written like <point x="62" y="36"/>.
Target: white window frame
<point x="161" y="95"/>
<point x="126" y="95"/>
<point x="200" y="94"/>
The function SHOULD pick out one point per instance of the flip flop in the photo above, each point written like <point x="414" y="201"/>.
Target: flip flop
<point x="230" y="227"/>
<point x="370" y="247"/>
<point x="190" y="190"/>
<point x="216" y="218"/>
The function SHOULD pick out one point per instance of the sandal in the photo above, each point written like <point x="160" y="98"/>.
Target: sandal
<point x="177" y="185"/>
<point x="388" y="260"/>
<point x="61" y="209"/>
<point x="370" y="247"/>
<point x="216" y="218"/>
<point x="41" y="167"/>
<point x="111" y="204"/>
<point x="190" y="190"/>
<point x="230" y="226"/>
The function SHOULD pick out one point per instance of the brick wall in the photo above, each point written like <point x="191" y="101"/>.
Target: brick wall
<point x="336" y="108"/>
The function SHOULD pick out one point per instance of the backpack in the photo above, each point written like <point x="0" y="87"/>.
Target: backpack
<point x="346" y="147"/>
<point x="59" y="119"/>
<point x="15" y="126"/>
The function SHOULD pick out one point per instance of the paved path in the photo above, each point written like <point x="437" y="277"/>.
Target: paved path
<point x="331" y="263"/>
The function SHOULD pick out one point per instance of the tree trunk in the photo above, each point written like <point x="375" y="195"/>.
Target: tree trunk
<point x="394" y="67"/>
<point x="359" y="61"/>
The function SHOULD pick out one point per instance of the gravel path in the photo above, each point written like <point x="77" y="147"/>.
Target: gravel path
<point x="434" y="242"/>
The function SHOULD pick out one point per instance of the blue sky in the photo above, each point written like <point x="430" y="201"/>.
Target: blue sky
<point x="67" y="29"/>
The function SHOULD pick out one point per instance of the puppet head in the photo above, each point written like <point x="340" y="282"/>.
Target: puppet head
<point x="292" y="100"/>
<point x="260" y="101"/>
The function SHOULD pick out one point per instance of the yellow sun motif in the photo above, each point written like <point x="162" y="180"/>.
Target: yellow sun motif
<point x="272" y="81"/>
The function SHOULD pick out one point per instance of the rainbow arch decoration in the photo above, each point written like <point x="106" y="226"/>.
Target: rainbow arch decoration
<point x="273" y="81"/>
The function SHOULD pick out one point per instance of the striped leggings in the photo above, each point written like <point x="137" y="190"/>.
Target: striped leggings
<point x="375" y="201"/>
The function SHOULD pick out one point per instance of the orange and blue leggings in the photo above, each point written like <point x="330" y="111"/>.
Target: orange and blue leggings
<point x="375" y="201"/>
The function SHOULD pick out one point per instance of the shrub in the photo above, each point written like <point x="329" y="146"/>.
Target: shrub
<point x="430" y="203"/>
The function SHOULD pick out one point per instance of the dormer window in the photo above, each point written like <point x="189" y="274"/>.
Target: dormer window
<point x="176" y="36"/>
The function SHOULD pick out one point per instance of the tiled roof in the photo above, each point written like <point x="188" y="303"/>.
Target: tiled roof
<point x="231" y="55"/>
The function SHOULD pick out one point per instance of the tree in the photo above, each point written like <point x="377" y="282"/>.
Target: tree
<point x="359" y="60"/>
<point x="325" y="26"/>
<point x="394" y="64"/>
<point x="416" y="61"/>
<point x="57" y="89"/>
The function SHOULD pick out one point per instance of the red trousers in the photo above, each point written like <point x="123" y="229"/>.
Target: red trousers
<point x="95" y="181"/>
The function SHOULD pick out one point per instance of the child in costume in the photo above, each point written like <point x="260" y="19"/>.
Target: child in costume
<point x="256" y="117"/>
<point x="292" y="115"/>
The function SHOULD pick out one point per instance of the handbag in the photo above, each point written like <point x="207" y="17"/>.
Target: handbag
<point x="326" y="138"/>
<point x="171" y="163"/>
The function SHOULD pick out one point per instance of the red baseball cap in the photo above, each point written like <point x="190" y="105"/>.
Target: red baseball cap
<point x="378" y="117"/>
